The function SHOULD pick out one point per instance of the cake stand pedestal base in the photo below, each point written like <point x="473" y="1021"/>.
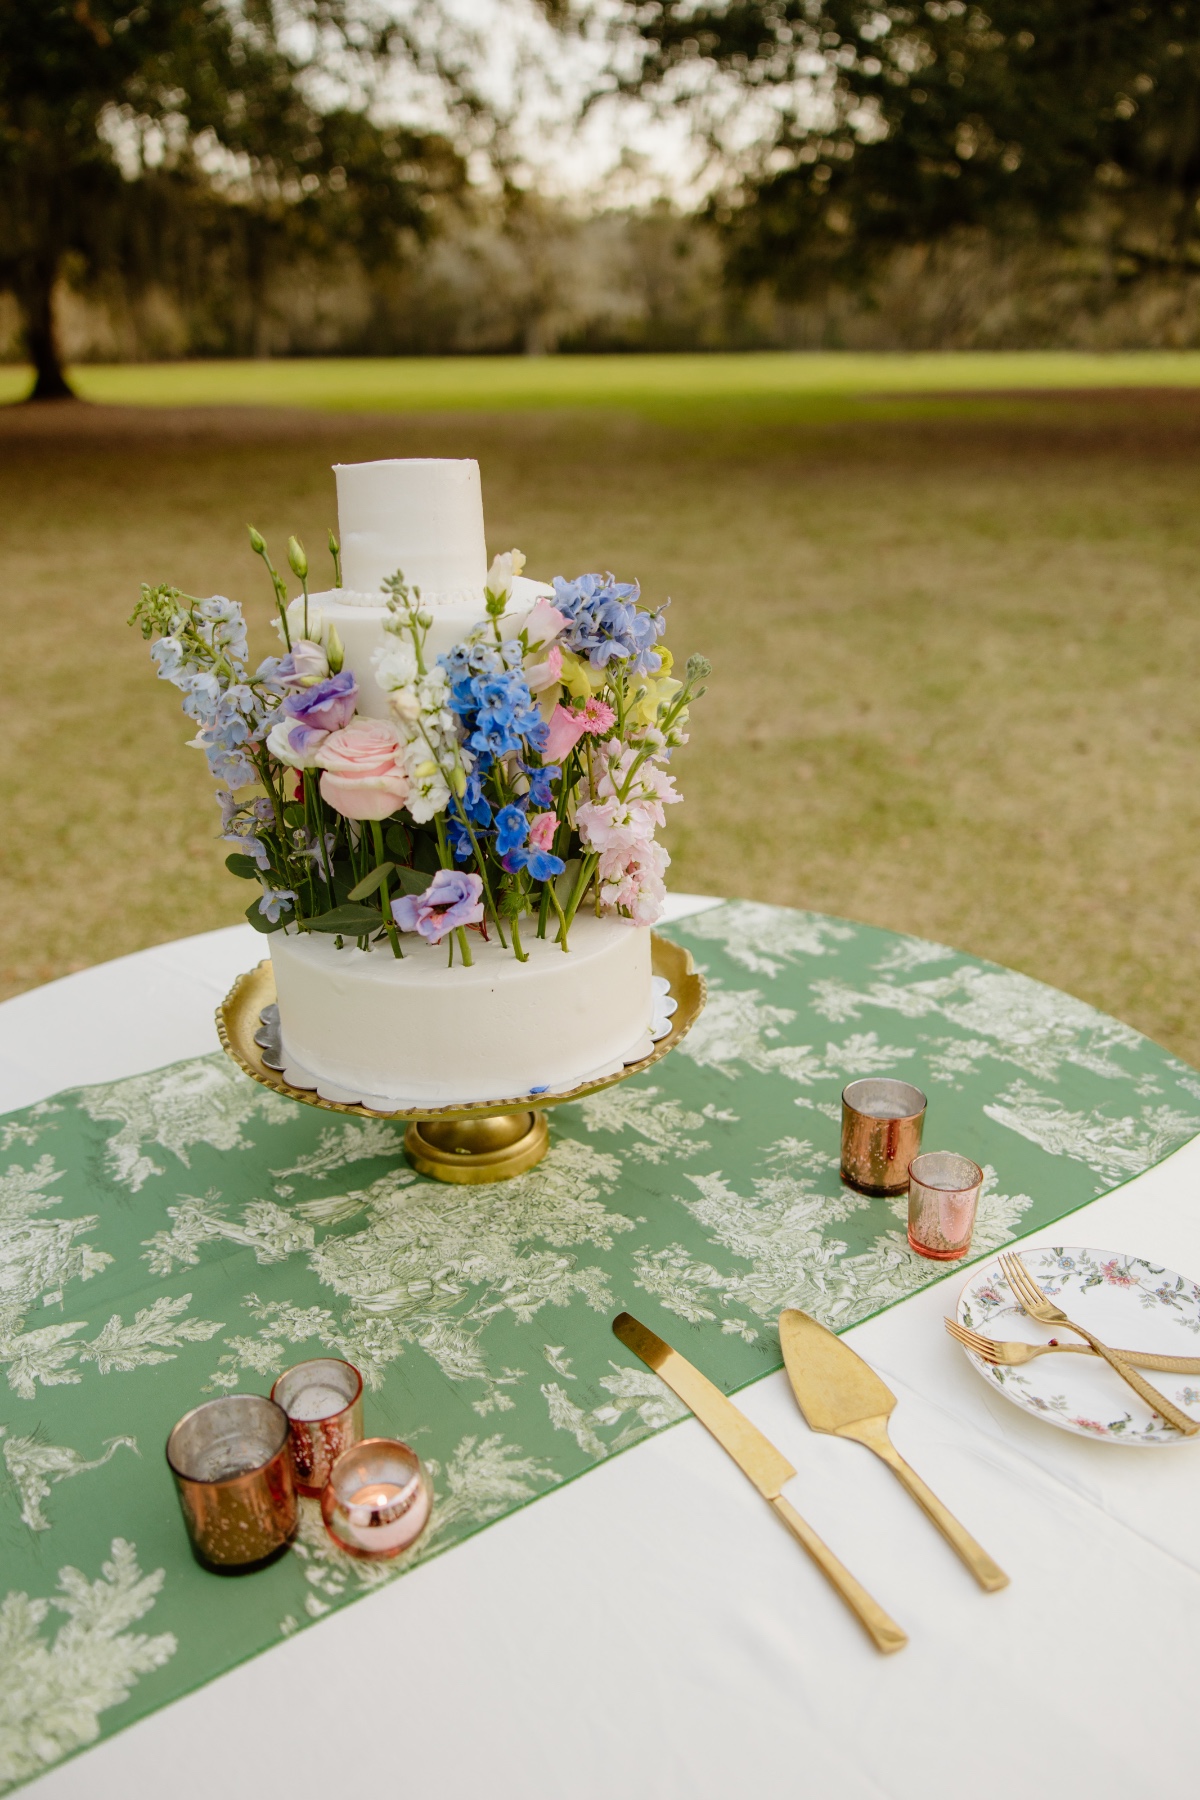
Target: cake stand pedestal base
<point x="477" y="1150"/>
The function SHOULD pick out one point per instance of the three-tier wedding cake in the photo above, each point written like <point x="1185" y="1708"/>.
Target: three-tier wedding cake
<point x="447" y="788"/>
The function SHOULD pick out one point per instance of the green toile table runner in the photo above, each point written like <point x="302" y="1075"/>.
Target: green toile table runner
<point x="186" y="1233"/>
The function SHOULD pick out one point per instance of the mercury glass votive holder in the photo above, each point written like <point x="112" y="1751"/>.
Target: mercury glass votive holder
<point x="882" y="1121"/>
<point x="377" y="1499"/>
<point x="233" y="1474"/>
<point x="323" y="1401"/>
<point x="943" y="1193"/>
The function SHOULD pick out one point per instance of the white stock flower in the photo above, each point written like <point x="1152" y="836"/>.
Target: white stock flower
<point x="428" y="790"/>
<point x="395" y="665"/>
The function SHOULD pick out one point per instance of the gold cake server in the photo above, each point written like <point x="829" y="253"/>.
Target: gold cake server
<point x="839" y="1393"/>
<point x="758" y="1458"/>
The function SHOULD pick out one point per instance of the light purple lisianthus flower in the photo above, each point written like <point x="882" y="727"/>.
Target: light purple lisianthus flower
<point x="451" y="899"/>
<point x="327" y="707"/>
<point x="305" y="665"/>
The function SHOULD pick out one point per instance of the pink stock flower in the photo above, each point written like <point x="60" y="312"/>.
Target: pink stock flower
<point x="363" y="777"/>
<point x="631" y="881"/>
<point x="548" y="674"/>
<point x="451" y="899"/>
<point x="541" y="830"/>
<point x="566" y="729"/>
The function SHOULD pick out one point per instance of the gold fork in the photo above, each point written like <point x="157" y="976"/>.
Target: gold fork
<point x="1010" y="1353"/>
<point x="1032" y="1300"/>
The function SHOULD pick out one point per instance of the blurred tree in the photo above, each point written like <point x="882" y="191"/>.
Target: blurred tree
<point x="138" y="141"/>
<point x="881" y="124"/>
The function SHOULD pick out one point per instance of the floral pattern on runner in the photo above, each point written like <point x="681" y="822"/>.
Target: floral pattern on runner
<point x="186" y="1232"/>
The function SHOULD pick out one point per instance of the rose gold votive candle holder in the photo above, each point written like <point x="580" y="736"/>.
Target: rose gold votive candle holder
<point x="882" y="1121"/>
<point x="377" y="1499"/>
<point x="323" y="1402"/>
<point x="943" y="1193"/>
<point x="234" y="1477"/>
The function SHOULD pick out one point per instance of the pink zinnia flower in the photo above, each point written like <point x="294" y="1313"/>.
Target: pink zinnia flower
<point x="597" y="716"/>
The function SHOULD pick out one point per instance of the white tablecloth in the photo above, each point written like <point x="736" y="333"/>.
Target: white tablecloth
<point x="652" y="1629"/>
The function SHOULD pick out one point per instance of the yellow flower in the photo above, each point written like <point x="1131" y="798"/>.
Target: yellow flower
<point x="579" y="678"/>
<point x="654" y="692"/>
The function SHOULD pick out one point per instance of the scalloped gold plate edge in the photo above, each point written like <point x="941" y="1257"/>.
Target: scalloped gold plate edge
<point x="238" y="1019"/>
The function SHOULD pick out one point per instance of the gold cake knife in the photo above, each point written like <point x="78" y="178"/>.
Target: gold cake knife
<point x="839" y="1393"/>
<point x="758" y="1458"/>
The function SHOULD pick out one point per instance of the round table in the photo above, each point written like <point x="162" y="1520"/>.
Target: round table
<point x="649" y="1630"/>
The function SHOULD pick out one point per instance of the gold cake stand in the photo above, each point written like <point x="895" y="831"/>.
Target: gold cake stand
<point x="487" y="1142"/>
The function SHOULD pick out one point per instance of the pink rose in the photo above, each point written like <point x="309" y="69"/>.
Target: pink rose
<point x="566" y="729"/>
<point x="363" y="777"/>
<point x="541" y="830"/>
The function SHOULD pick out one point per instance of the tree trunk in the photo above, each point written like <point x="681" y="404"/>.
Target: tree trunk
<point x="41" y="338"/>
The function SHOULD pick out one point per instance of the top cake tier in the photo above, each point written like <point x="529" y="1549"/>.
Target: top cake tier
<point x="421" y="514"/>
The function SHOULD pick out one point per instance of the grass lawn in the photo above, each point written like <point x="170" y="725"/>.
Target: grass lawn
<point x="953" y="604"/>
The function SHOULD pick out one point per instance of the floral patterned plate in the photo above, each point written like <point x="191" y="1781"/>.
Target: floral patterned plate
<point x="1129" y="1303"/>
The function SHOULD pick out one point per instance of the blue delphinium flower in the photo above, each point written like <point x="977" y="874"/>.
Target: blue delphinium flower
<point x="540" y="794"/>
<point x="512" y="831"/>
<point x="604" y="622"/>
<point x="542" y="864"/>
<point x="493" y="701"/>
<point x="512" y="828"/>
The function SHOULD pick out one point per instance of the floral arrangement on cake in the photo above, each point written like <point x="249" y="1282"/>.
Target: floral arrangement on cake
<point x="516" y="778"/>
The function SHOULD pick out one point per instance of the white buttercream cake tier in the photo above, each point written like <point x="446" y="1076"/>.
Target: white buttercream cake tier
<point x="360" y="620"/>
<point x="417" y="1032"/>
<point x="423" y="514"/>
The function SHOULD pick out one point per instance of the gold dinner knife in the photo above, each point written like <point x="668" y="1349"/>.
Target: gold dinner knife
<point x="758" y="1458"/>
<point x="839" y="1393"/>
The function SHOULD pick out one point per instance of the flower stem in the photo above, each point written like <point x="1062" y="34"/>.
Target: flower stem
<point x="482" y="867"/>
<point x="463" y="947"/>
<point x="389" y="923"/>
<point x="519" y="950"/>
<point x="563" y="924"/>
<point x="587" y="869"/>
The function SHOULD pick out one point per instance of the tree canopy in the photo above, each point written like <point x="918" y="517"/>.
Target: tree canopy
<point x="890" y="124"/>
<point x="140" y="141"/>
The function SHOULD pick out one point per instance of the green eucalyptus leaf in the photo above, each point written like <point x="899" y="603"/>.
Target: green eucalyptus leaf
<point x="293" y="813"/>
<point x="370" y="882"/>
<point x="353" y="921"/>
<point x="261" y="922"/>
<point x="425" y="855"/>
<point x="564" y="884"/>
<point x="399" y="841"/>
<point x="243" y="866"/>
<point x="411" y="881"/>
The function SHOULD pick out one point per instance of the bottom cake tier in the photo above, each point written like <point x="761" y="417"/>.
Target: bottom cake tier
<point x="365" y="1026"/>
